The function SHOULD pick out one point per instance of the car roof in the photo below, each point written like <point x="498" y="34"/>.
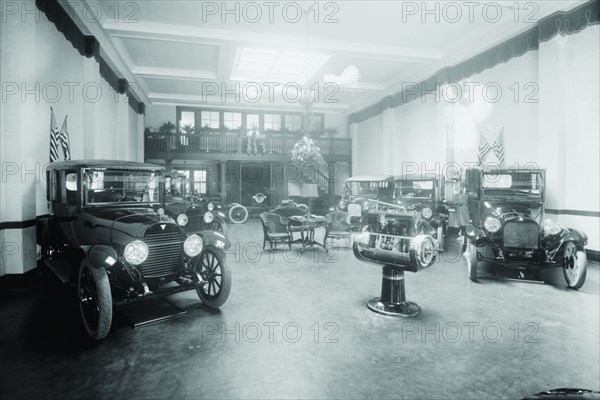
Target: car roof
<point x="500" y="171"/>
<point x="369" y="178"/>
<point x="116" y="164"/>
<point x="417" y="177"/>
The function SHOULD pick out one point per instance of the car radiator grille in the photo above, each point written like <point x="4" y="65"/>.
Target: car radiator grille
<point x="164" y="251"/>
<point x="521" y="235"/>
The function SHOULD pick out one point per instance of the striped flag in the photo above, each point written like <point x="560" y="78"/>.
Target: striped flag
<point x="54" y="138"/>
<point x="499" y="147"/>
<point x="64" y="140"/>
<point x="484" y="149"/>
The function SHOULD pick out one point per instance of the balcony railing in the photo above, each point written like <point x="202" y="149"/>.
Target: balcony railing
<point x="176" y="143"/>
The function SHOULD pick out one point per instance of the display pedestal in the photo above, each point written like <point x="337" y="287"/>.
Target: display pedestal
<point x="393" y="296"/>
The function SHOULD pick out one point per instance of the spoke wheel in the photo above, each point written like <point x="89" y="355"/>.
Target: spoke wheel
<point x="238" y="214"/>
<point x="574" y="263"/>
<point x="212" y="267"/>
<point x="427" y="252"/>
<point x="471" y="255"/>
<point x="95" y="301"/>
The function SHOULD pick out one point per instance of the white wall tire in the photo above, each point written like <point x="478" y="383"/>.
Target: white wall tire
<point x="574" y="263"/>
<point x="471" y="256"/>
<point x="238" y="214"/>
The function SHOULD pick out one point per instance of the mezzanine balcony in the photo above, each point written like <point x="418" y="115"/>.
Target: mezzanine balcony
<point x="218" y="147"/>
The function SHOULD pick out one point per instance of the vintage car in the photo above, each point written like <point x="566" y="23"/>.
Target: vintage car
<point x="397" y="235"/>
<point x="423" y="196"/>
<point x="196" y="213"/>
<point x="509" y="226"/>
<point x="358" y="190"/>
<point x="109" y="235"/>
<point x="397" y="239"/>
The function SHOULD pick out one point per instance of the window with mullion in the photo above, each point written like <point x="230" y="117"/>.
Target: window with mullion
<point x="210" y="122"/>
<point x="272" y="122"/>
<point x="232" y="122"/>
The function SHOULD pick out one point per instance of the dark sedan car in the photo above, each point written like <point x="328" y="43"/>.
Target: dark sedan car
<point x="509" y="225"/>
<point x="108" y="234"/>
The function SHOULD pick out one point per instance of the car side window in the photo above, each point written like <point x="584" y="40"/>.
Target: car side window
<point x="69" y="192"/>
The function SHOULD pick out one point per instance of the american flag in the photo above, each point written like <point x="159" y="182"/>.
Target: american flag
<point x="54" y="137"/>
<point x="64" y="140"/>
<point x="499" y="147"/>
<point x="484" y="149"/>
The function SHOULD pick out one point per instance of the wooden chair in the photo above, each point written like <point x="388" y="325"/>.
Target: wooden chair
<point x="338" y="227"/>
<point x="274" y="230"/>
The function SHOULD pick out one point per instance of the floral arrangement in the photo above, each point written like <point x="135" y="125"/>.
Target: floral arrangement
<point x="305" y="152"/>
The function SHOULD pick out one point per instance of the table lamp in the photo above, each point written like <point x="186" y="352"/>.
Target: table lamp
<point x="310" y="191"/>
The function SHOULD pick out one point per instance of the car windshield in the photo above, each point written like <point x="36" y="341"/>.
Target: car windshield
<point x="524" y="184"/>
<point x="371" y="189"/>
<point x="414" y="189"/>
<point x="114" y="185"/>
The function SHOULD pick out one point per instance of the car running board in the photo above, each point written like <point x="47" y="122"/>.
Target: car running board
<point x="61" y="268"/>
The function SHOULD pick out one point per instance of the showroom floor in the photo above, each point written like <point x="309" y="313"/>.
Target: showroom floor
<point x="300" y="329"/>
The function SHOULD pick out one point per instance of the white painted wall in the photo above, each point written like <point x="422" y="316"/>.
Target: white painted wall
<point x="49" y="72"/>
<point x="548" y="108"/>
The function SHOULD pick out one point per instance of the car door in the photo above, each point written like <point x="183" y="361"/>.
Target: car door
<point x="68" y="204"/>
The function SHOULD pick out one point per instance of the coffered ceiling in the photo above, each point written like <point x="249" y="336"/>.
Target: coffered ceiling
<point x="261" y="54"/>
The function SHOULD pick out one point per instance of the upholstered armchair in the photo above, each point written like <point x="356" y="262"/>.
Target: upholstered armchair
<point x="338" y="227"/>
<point x="274" y="230"/>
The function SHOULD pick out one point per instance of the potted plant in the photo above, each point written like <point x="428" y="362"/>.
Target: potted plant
<point x="331" y="132"/>
<point x="187" y="129"/>
<point x="167" y="128"/>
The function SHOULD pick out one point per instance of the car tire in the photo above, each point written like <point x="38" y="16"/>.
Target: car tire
<point x="440" y="238"/>
<point x="238" y="214"/>
<point x="427" y="253"/>
<point x="95" y="300"/>
<point x="471" y="256"/>
<point x="212" y="267"/>
<point x="574" y="263"/>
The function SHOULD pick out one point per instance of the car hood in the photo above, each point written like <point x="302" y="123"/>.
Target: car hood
<point x="410" y="202"/>
<point x="129" y="220"/>
<point x="180" y="207"/>
<point x="506" y="209"/>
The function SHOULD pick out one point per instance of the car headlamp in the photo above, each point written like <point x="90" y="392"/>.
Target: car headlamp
<point x="492" y="224"/>
<point x="136" y="252"/>
<point x="208" y="217"/>
<point x="210" y="206"/>
<point x="341" y="205"/>
<point x="426" y="212"/>
<point x="363" y="238"/>
<point x="193" y="245"/>
<point x="182" y="220"/>
<point x="551" y="227"/>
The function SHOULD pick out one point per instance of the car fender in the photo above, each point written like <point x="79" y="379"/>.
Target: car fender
<point x="573" y="235"/>
<point x="101" y="256"/>
<point x="477" y="235"/>
<point x="215" y="239"/>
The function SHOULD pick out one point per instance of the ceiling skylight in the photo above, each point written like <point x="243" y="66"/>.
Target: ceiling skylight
<point x="262" y="65"/>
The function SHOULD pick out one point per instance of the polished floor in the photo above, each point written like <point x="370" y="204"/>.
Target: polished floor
<point x="297" y="327"/>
